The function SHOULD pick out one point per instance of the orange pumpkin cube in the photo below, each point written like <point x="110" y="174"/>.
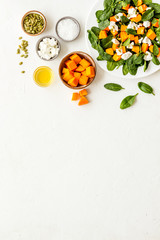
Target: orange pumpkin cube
<point x="84" y="63"/>
<point x="113" y="19"/>
<point x="114" y="32"/>
<point x="90" y="72"/>
<point x="123" y="36"/>
<point x="115" y="46"/>
<point x="141" y="30"/>
<point x="136" y="39"/>
<point x="139" y="3"/>
<point x="126" y="8"/>
<point x="151" y="35"/>
<point x="65" y="70"/>
<point x="136" y="49"/>
<point x="137" y="19"/>
<point x="116" y="57"/>
<point x="67" y="76"/>
<point x="145" y="47"/>
<point x="83" y="80"/>
<point x="75" y="96"/>
<point x="156" y="24"/>
<point x="102" y="34"/>
<point x="83" y="93"/>
<point x="73" y="82"/>
<point x="151" y="48"/>
<point x="131" y="37"/>
<point x="123" y="28"/>
<point x="75" y="58"/>
<point x="71" y="65"/>
<point x="123" y="49"/>
<point x="159" y="53"/>
<point x="80" y="69"/>
<point x="110" y="51"/>
<point x="107" y="29"/>
<point x="83" y="101"/>
<point x="84" y="73"/>
<point x="142" y="8"/>
<point x="77" y="75"/>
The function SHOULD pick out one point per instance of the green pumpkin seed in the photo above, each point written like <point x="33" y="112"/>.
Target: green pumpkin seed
<point x="20" y="63"/>
<point x="23" y="72"/>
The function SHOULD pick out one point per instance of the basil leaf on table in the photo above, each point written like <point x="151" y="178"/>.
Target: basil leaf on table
<point x="145" y="88"/>
<point x="128" y="101"/>
<point x="148" y="15"/>
<point x="113" y="87"/>
<point x="155" y="50"/>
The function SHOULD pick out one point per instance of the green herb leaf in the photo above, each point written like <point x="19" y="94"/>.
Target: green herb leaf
<point x="124" y="19"/>
<point x="93" y="39"/>
<point x="156" y="7"/>
<point x="145" y="88"/>
<point x="128" y="101"/>
<point x="104" y="24"/>
<point x="147" y="2"/>
<point x="107" y="42"/>
<point x="96" y="31"/>
<point x="155" y="50"/>
<point x="125" y="69"/>
<point x="146" y="65"/>
<point x="148" y="15"/>
<point x="111" y="66"/>
<point x="127" y="42"/>
<point x="113" y="87"/>
<point x="131" y="31"/>
<point x="155" y="60"/>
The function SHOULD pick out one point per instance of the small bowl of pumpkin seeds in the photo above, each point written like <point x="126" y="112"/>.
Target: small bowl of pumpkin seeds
<point x="33" y="23"/>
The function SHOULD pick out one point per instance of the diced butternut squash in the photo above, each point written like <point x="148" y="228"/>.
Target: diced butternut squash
<point x="151" y="35"/>
<point x="83" y="80"/>
<point x="123" y="49"/>
<point x="102" y="34"/>
<point x="110" y="51"/>
<point x="145" y="47"/>
<point x="156" y="24"/>
<point x="84" y="63"/>
<point x="83" y="93"/>
<point x="139" y="3"/>
<point x="123" y="28"/>
<point x="136" y="39"/>
<point x="142" y="8"/>
<point x="73" y="82"/>
<point x="107" y="29"/>
<point x="151" y="48"/>
<point x="131" y="37"/>
<point x="71" y="65"/>
<point x="137" y="19"/>
<point x="136" y="49"/>
<point x="83" y="101"/>
<point x="126" y="8"/>
<point x="123" y="36"/>
<point x="77" y="75"/>
<point x="113" y="19"/>
<point x="115" y="46"/>
<point x="80" y="69"/>
<point x="84" y="73"/>
<point x="116" y="57"/>
<point x="76" y="58"/>
<point x="159" y="53"/>
<point x="67" y="76"/>
<point x="75" y="96"/>
<point x="141" y="30"/>
<point x="90" y="72"/>
<point x="114" y="33"/>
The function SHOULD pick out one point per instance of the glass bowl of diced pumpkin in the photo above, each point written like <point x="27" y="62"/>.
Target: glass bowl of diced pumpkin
<point x="77" y="70"/>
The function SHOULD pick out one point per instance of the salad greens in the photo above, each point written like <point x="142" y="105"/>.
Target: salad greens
<point x="128" y="34"/>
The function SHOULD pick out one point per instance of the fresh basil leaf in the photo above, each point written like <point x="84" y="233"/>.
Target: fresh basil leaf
<point x="146" y="65"/>
<point x="145" y="88"/>
<point x="128" y="101"/>
<point x="93" y="39"/>
<point x="139" y="59"/>
<point x="106" y="14"/>
<point x="125" y="69"/>
<point x="108" y="3"/>
<point x="100" y="58"/>
<point x="135" y="2"/>
<point x="148" y="15"/>
<point x="104" y="24"/>
<point x="124" y="19"/>
<point x="103" y="54"/>
<point x="127" y="42"/>
<point x="155" y="60"/>
<point x="96" y="31"/>
<point x="98" y="14"/>
<point x="107" y="42"/>
<point x="155" y="50"/>
<point x="156" y="7"/>
<point x="131" y="31"/>
<point x="147" y="2"/>
<point x="113" y="87"/>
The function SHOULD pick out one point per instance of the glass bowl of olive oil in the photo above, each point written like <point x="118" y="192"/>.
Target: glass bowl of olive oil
<point x="43" y="76"/>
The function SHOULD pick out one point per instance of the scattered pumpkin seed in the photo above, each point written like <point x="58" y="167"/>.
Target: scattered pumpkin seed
<point x="20" y="38"/>
<point x="18" y="51"/>
<point x="23" y="72"/>
<point x="20" y="63"/>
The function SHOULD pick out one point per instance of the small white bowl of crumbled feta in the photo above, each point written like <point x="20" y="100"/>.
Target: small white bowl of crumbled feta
<point x="48" y="48"/>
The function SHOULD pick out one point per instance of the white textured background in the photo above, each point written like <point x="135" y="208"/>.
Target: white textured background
<point x="69" y="172"/>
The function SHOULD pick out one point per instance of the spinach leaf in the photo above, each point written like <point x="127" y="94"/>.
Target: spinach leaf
<point x="148" y="15"/>
<point x="107" y="42"/>
<point x="103" y="54"/>
<point x="146" y="65"/>
<point x="156" y="7"/>
<point x="147" y="2"/>
<point x="124" y="19"/>
<point x="93" y="39"/>
<point x="128" y="101"/>
<point x="138" y="60"/>
<point x="111" y="66"/>
<point x="135" y="2"/>
<point x="155" y="60"/>
<point x="125" y="69"/>
<point x="98" y="14"/>
<point x="106" y="14"/>
<point x="157" y="15"/>
<point x="155" y="50"/>
<point x="145" y="88"/>
<point x="99" y="58"/>
<point x="131" y="31"/>
<point x="113" y="87"/>
<point x="104" y="24"/>
<point x="108" y="3"/>
<point x="127" y="42"/>
<point x="96" y="31"/>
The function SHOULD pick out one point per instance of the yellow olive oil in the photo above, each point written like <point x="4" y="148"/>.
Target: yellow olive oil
<point x="43" y="76"/>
